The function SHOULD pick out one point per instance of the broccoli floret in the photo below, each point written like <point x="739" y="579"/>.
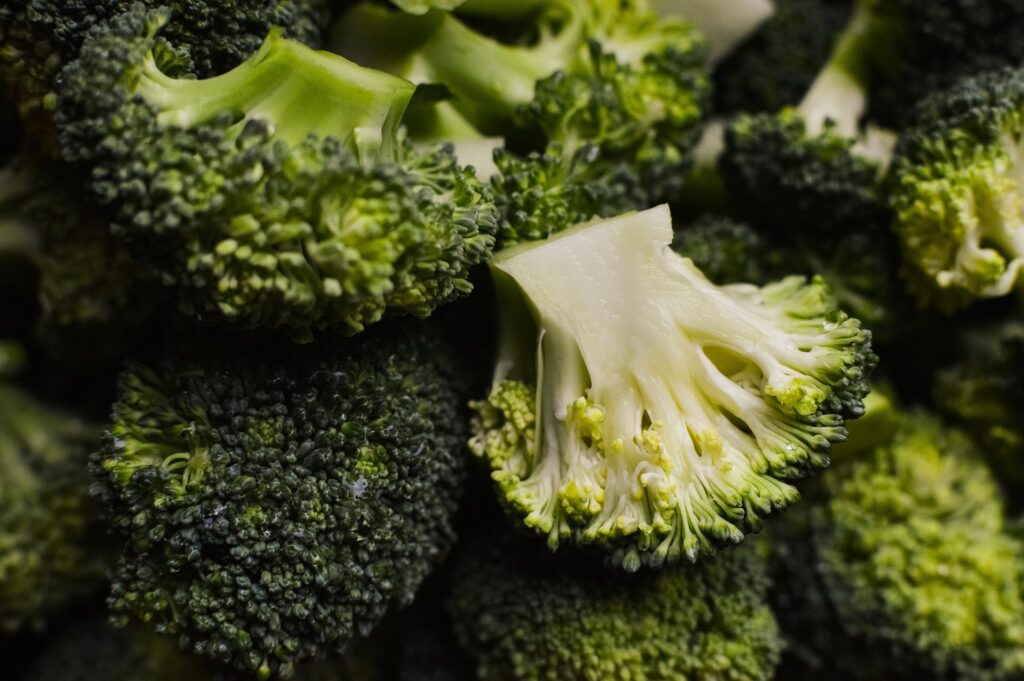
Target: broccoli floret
<point x="528" y="616"/>
<point x="90" y="649"/>
<point x="956" y="192"/>
<point x="983" y="391"/>
<point x="39" y="37"/>
<point x="774" y="68"/>
<point x="281" y="193"/>
<point x="639" y="408"/>
<point x="273" y="509"/>
<point x="730" y="252"/>
<point x="49" y="556"/>
<point x="616" y="94"/>
<point x="916" y="559"/>
<point x="932" y="44"/>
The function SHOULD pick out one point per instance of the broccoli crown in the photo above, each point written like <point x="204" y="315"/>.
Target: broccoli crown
<point x="774" y="68"/>
<point x="86" y="277"/>
<point x="930" y="45"/>
<point x="48" y="553"/>
<point x="916" y="559"/>
<point x="274" y="512"/>
<point x="982" y="391"/>
<point x="616" y="94"/>
<point x="39" y="37"/>
<point x="785" y="179"/>
<point x="90" y="649"/>
<point x="669" y="422"/>
<point x="278" y="194"/>
<point x="730" y="252"/>
<point x="525" y="615"/>
<point x="956" y="194"/>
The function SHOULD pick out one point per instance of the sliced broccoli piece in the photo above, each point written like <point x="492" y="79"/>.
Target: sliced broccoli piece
<point x="39" y="37"/>
<point x="90" y="649"/>
<point x="774" y="68"/>
<point x="639" y="408"/>
<point x="956" y="193"/>
<point x="916" y="558"/>
<point x="616" y="94"/>
<point x="273" y="509"/>
<point x="278" y="194"/>
<point x="49" y="554"/>
<point x="730" y="252"/>
<point x="983" y="392"/>
<point x="525" y="615"/>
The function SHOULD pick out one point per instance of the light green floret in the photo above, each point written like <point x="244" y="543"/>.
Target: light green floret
<point x="640" y="408"/>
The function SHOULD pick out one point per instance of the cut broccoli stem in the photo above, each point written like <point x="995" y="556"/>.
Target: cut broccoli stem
<point x="725" y="23"/>
<point x="838" y="95"/>
<point x="298" y="91"/>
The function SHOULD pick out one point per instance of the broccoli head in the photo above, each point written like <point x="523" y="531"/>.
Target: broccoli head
<point x="610" y="96"/>
<point x="639" y="408"/>
<point x="48" y="551"/>
<point x="777" y="64"/>
<point x="983" y="392"/>
<point x="730" y="252"/>
<point x="956" y="193"/>
<point x="525" y="615"/>
<point x="281" y="193"/>
<point x="916" y="559"/>
<point x="274" y="510"/>
<point x="39" y="37"/>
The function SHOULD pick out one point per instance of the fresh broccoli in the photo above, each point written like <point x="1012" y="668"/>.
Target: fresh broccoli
<point x="930" y="45"/>
<point x="279" y="194"/>
<point x="528" y="616"/>
<point x="916" y="560"/>
<point x="726" y="23"/>
<point x="49" y="556"/>
<point x="730" y="252"/>
<point x="424" y="6"/>
<point x="983" y="392"/>
<point x="614" y="94"/>
<point x="39" y="37"/>
<point x="90" y="649"/>
<point x="956" y="192"/>
<point x="774" y="68"/>
<point x="274" y="510"/>
<point x="639" y="408"/>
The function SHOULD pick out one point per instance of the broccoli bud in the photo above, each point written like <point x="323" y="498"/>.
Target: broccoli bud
<point x="528" y="616"/>
<point x="274" y="510"/>
<point x="278" y="194"/>
<point x="642" y="409"/>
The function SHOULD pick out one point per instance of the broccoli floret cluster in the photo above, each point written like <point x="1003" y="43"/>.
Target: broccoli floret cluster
<point x="274" y="510"/>
<point x="651" y="413"/>
<point x="529" y="616"/>
<point x="281" y="193"/>
<point x="39" y="37"/>
<point x="49" y="556"/>
<point x="616" y="93"/>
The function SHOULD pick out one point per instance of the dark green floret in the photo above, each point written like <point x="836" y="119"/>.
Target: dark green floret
<point x="49" y="556"/>
<point x="39" y="37"/>
<point x="728" y="251"/>
<point x="279" y="194"/>
<point x="957" y="194"/>
<point x="274" y="509"/>
<point x="528" y="616"/>
<point x="608" y="98"/>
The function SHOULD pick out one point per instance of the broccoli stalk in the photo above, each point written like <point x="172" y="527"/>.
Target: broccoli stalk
<point x="281" y="193"/>
<point x="725" y="23"/>
<point x="640" y="408"/>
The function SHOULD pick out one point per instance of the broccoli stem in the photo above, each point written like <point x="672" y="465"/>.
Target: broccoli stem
<point x="298" y="91"/>
<point x="839" y="92"/>
<point x="503" y="10"/>
<point x="725" y="23"/>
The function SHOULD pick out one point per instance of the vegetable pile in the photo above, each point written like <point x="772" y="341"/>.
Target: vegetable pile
<point x="442" y="340"/>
